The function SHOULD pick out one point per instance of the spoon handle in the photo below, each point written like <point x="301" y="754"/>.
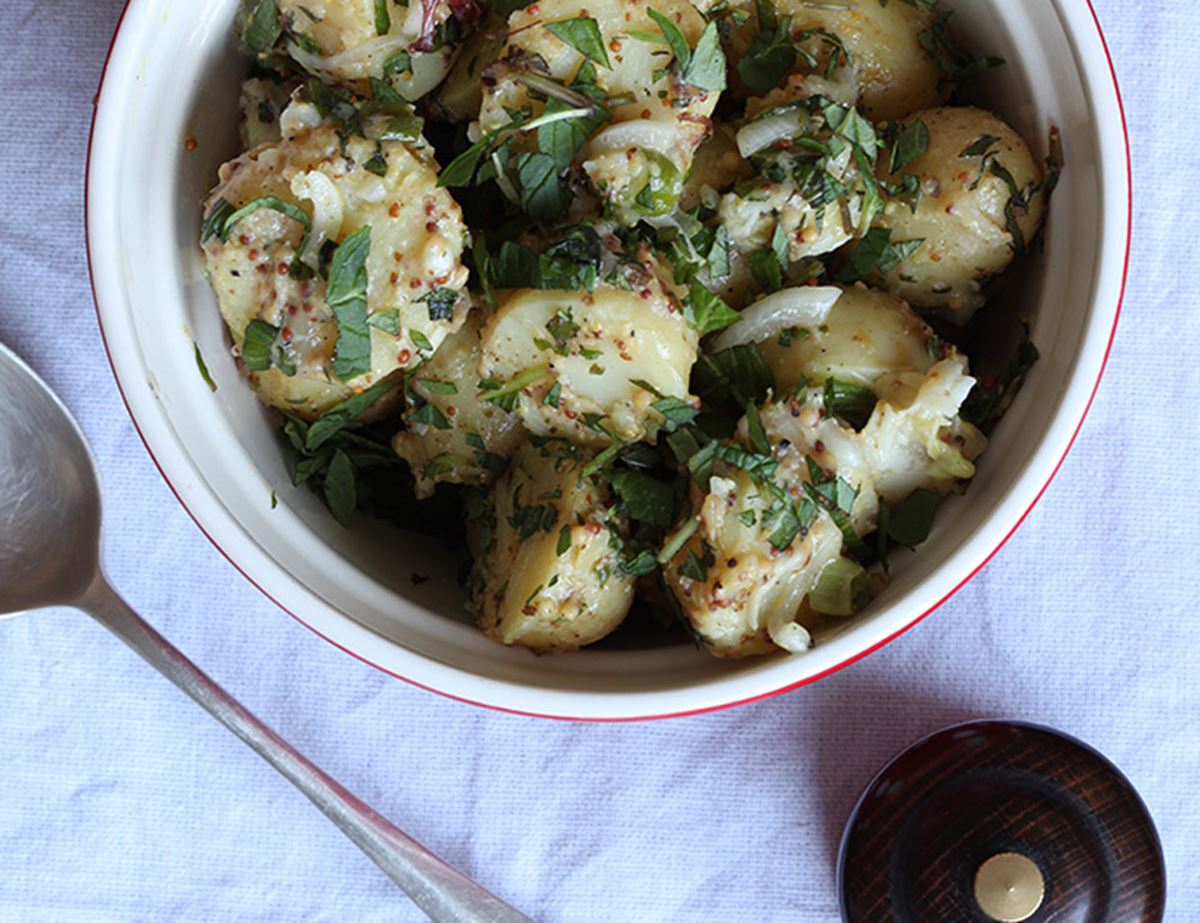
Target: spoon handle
<point x="441" y="891"/>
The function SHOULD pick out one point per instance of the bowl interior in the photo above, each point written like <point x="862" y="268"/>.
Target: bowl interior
<point x="174" y="74"/>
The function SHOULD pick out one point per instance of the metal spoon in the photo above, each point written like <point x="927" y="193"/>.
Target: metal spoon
<point x="50" y="556"/>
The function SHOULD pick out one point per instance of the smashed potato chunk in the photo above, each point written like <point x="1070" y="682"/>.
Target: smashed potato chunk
<point x="308" y="192"/>
<point x="339" y="41"/>
<point x="742" y="593"/>
<point x="451" y="436"/>
<point x="548" y="554"/>
<point x="588" y="366"/>
<point x="980" y="204"/>
<point x="636" y="161"/>
<point x="809" y="195"/>
<point x="866" y="335"/>
<point x="913" y="438"/>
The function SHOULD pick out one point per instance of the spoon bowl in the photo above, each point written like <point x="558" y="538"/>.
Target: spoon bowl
<point x="50" y="555"/>
<point x="49" y="497"/>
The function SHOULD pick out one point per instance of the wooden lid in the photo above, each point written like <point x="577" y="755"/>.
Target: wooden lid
<point x="999" y="821"/>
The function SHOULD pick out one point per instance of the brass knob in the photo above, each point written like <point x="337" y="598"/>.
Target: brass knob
<point x="1009" y="887"/>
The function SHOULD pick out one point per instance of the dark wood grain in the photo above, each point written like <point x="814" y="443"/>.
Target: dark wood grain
<point x="938" y="811"/>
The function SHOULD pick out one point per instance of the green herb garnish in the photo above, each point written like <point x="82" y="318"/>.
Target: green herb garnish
<point x="583" y="34"/>
<point x="346" y="295"/>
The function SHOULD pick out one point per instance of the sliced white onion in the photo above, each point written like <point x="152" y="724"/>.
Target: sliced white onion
<point x="782" y="626"/>
<point x="328" y="211"/>
<point x="762" y="133"/>
<point x="298" y="116"/>
<point x="805" y="306"/>
<point x="687" y="225"/>
<point x="428" y="70"/>
<point x="358" y="56"/>
<point x="842" y="88"/>
<point x="645" y="134"/>
<point x="791" y="636"/>
<point x="502" y="180"/>
<point x="414" y="19"/>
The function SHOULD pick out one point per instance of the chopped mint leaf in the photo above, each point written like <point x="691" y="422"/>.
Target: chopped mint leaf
<point x="583" y="34"/>
<point x="705" y="312"/>
<point x="876" y="251"/>
<point x="852" y="404"/>
<point x="440" y="303"/>
<point x="980" y="146"/>
<point x="728" y="380"/>
<point x="911" y="142"/>
<point x="346" y="295"/>
<point x="387" y="321"/>
<point x="645" y="498"/>
<point x="262" y="28"/>
<point x="257" y="343"/>
<point x="214" y="223"/>
<point x="706" y="69"/>
<point x="340" y="492"/>
<point x="291" y="210"/>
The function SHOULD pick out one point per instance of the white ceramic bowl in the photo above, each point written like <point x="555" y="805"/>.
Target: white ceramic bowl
<point x="173" y="74"/>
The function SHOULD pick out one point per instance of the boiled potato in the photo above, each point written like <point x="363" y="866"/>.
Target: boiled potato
<point x="963" y="214"/>
<point x="804" y="203"/>
<point x="339" y="42"/>
<point x="840" y="88"/>
<point x="414" y="272"/>
<point x="913" y="438"/>
<point x="894" y="75"/>
<point x="751" y="218"/>
<point x="741" y="594"/>
<point x="548" y="554"/>
<point x="637" y="161"/>
<point x="746" y="588"/>
<point x="865" y="336"/>
<point x="453" y="437"/>
<point x="574" y="357"/>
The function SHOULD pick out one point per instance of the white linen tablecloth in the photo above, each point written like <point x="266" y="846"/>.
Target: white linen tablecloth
<point x="121" y="801"/>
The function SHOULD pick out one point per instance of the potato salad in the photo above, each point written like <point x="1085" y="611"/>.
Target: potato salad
<point x="656" y="311"/>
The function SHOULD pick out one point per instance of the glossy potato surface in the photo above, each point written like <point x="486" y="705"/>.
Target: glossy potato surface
<point x="973" y="177"/>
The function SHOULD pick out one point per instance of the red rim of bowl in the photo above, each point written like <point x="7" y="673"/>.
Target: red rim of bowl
<point x="652" y="717"/>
